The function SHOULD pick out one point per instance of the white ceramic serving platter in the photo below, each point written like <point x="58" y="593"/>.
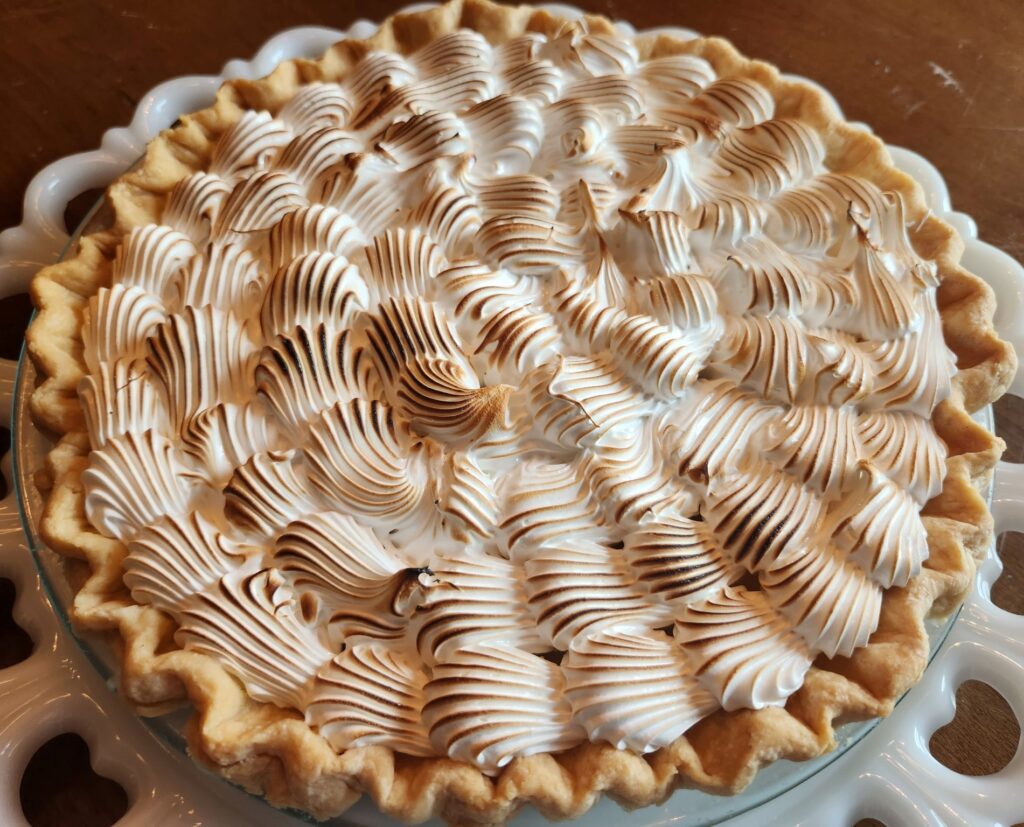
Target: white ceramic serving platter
<point x="885" y="772"/>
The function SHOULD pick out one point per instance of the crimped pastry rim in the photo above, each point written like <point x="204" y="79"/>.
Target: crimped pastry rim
<point x="282" y="757"/>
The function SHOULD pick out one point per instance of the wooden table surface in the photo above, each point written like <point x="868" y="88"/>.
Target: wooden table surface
<point x="942" y="77"/>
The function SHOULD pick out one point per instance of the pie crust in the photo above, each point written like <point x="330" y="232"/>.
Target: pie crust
<point x="272" y="751"/>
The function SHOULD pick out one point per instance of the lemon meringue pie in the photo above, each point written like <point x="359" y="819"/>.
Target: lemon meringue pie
<point x="505" y="409"/>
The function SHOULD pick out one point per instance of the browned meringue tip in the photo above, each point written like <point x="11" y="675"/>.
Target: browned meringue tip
<point x="411" y="589"/>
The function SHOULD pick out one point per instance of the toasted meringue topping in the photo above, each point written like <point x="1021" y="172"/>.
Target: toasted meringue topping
<point x="466" y="498"/>
<point x="368" y="463"/>
<point x="200" y="358"/>
<point x="267" y="493"/>
<point x="178" y="556"/>
<point x="317" y="105"/>
<point x="344" y="564"/>
<point x="575" y="585"/>
<point x="741" y="650"/>
<point x="250" y="144"/>
<point x="134" y="480"/>
<point x="225" y="276"/>
<point x="119" y="398"/>
<point x="831" y="602"/>
<point x="314" y="288"/>
<point x="371" y="695"/>
<point x="306" y="371"/>
<point x="762" y="516"/>
<point x="491" y="702"/>
<point x="117" y="323"/>
<point x="148" y="258"/>
<point x="881" y="528"/>
<point x="677" y="559"/>
<point x="194" y="203"/>
<point x="479" y="597"/>
<point x="633" y="688"/>
<point x="818" y="445"/>
<point x="452" y="383"/>
<point x="225" y="437"/>
<point x="249" y="621"/>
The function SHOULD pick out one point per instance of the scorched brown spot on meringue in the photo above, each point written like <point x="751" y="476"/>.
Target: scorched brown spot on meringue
<point x="488" y="352"/>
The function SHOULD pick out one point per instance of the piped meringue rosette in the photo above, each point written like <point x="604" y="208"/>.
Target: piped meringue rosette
<point x="498" y="398"/>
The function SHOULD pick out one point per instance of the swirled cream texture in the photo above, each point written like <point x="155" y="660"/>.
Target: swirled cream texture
<point x="448" y="388"/>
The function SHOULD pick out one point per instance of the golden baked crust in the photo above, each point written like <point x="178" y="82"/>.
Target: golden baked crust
<point x="271" y="750"/>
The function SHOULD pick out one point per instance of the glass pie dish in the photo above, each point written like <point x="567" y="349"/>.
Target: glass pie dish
<point x="687" y="807"/>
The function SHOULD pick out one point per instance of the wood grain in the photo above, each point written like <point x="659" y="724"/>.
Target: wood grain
<point x="943" y="78"/>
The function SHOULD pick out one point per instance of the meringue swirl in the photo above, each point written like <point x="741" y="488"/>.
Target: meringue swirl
<point x="370" y="695"/>
<point x="491" y="703"/>
<point x="633" y="689"/>
<point x="449" y="385"/>
<point x="742" y="651"/>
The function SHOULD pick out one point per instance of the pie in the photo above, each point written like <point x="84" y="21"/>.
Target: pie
<point x="505" y="410"/>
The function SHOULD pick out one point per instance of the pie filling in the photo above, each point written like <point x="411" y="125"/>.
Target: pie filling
<point x="499" y="398"/>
